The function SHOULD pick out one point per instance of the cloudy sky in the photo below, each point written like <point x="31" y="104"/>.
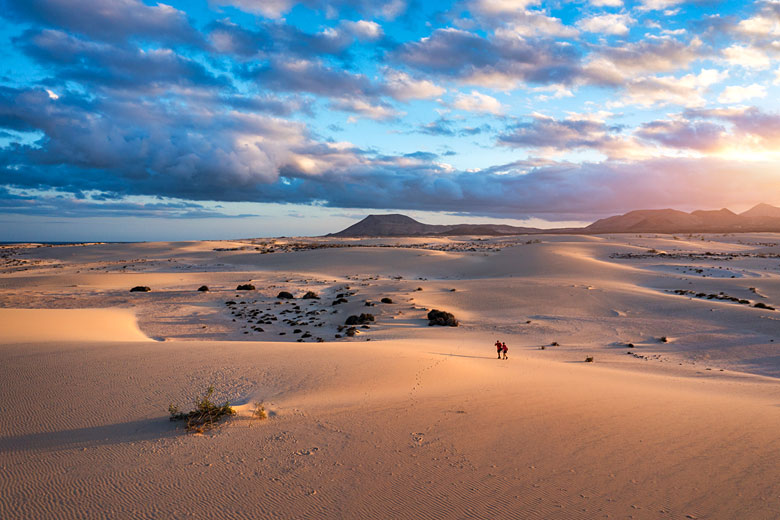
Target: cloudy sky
<point x="131" y="120"/>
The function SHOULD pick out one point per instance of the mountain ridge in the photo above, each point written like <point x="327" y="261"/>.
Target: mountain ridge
<point x="760" y="218"/>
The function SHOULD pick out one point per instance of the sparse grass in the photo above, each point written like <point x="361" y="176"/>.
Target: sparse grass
<point x="259" y="412"/>
<point x="206" y="414"/>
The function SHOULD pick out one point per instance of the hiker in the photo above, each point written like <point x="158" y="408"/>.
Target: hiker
<point x="498" y="348"/>
<point x="504" y="349"/>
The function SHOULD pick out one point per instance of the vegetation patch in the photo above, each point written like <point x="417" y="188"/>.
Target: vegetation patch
<point x="445" y="319"/>
<point x="206" y="414"/>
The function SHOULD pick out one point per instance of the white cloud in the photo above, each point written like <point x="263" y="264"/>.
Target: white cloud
<point x="607" y="24"/>
<point x="737" y="93"/>
<point x="606" y="3"/>
<point x="365" y="109"/>
<point x="747" y="57"/>
<point x="363" y="30"/>
<point x="268" y="8"/>
<point x="501" y="6"/>
<point x="657" y="5"/>
<point x="759" y="25"/>
<point x="478" y="102"/>
<point x="403" y="87"/>
<point x="688" y="90"/>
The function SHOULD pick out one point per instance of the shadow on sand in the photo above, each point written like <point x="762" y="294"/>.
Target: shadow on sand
<point x="110" y="434"/>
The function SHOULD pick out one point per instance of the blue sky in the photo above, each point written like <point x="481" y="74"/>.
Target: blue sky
<point x="131" y="120"/>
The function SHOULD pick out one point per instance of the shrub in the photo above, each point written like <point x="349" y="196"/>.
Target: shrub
<point x="203" y="288"/>
<point x="555" y="344"/>
<point x="284" y="295"/>
<point x="386" y="300"/>
<point x="762" y="305"/>
<point x="259" y="412"/>
<point x="206" y="414"/>
<point x="663" y="339"/>
<point x="445" y="319"/>
<point x="359" y="320"/>
<point x="141" y="288"/>
<point x="245" y="287"/>
<point x="311" y="295"/>
<point x="630" y="345"/>
<point x="589" y="359"/>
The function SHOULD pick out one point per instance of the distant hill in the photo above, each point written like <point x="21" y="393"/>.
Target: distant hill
<point x="760" y="218"/>
<point x="395" y="225"/>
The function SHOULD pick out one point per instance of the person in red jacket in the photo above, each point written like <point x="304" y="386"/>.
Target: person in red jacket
<point x="498" y="348"/>
<point x="504" y="349"/>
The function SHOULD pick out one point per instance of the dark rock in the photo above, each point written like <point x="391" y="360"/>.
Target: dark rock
<point x="284" y="295"/>
<point x="386" y="300"/>
<point x="245" y="287"/>
<point x="311" y="295"/>
<point x="445" y="319"/>
<point x="203" y="288"/>
<point x="359" y="320"/>
<point x="141" y="288"/>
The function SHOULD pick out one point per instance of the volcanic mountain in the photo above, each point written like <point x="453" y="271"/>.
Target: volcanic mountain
<point x="395" y="225"/>
<point x="760" y="218"/>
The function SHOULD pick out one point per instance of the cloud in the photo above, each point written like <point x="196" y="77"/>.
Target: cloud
<point x="497" y="61"/>
<point x="747" y="57"/>
<point x="613" y="66"/>
<point x="478" y="102"/>
<point x="738" y="93"/>
<point x="108" y="20"/>
<point x="377" y="112"/>
<point x="688" y="90"/>
<point x="310" y="76"/>
<point x="702" y="136"/>
<point x="607" y="24"/>
<point x="114" y="65"/>
<point x="403" y="87"/>
<point x="576" y="132"/>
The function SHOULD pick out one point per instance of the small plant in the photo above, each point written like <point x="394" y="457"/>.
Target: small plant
<point x="589" y="359"/>
<point x="259" y="412"/>
<point x="206" y="414"/>
<point x="555" y="344"/>
<point x="663" y="339"/>
<point x="311" y="295"/>
<point x="245" y="287"/>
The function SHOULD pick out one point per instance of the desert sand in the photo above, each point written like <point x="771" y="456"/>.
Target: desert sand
<point x="402" y="420"/>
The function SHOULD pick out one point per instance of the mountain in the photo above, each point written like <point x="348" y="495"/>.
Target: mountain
<point x="762" y="211"/>
<point x="761" y="218"/>
<point x="395" y="225"/>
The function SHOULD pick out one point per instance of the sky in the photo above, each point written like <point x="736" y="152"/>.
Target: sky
<point x="133" y="120"/>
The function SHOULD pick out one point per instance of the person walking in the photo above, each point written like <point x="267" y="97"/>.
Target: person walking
<point x="504" y="349"/>
<point x="499" y="348"/>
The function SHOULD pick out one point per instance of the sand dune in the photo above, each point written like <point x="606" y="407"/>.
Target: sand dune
<point x="61" y="325"/>
<point x="419" y="422"/>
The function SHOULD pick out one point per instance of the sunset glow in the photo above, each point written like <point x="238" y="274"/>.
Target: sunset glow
<point x="239" y="114"/>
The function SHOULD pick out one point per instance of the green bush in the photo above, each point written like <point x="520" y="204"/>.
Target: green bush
<point x="206" y="414"/>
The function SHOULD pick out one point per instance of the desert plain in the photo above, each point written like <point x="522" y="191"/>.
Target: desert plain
<point x="677" y="416"/>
